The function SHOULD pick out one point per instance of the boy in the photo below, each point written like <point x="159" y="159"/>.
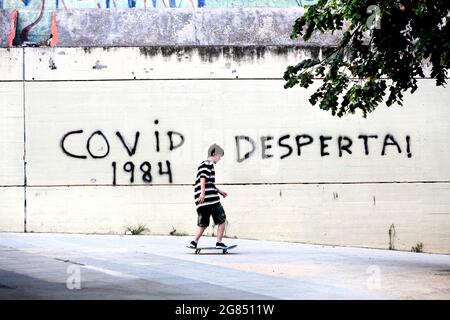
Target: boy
<point x="207" y="198"/>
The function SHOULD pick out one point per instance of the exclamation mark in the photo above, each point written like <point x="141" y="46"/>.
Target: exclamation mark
<point x="408" y="147"/>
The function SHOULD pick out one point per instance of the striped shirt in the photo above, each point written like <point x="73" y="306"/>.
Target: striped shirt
<point x="206" y="170"/>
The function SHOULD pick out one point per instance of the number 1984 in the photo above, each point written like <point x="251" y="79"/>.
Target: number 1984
<point x="143" y="170"/>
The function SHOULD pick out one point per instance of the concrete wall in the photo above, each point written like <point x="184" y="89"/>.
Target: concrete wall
<point x="205" y="97"/>
<point x="8" y="23"/>
<point x="165" y="27"/>
<point x="95" y="139"/>
<point x="36" y="15"/>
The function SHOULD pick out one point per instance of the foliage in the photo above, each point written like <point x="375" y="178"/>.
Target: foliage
<point x="174" y="232"/>
<point x="374" y="56"/>
<point x="137" y="230"/>
<point x="418" y="247"/>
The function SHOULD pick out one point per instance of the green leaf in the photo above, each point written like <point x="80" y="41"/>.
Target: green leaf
<point x="416" y="31"/>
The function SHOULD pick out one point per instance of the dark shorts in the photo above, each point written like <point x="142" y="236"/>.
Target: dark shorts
<point x="215" y="210"/>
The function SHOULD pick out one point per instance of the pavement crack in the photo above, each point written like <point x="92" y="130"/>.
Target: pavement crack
<point x="69" y="261"/>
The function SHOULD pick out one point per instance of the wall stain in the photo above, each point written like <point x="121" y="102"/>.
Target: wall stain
<point x="99" y="66"/>
<point x="51" y="64"/>
<point x="211" y="54"/>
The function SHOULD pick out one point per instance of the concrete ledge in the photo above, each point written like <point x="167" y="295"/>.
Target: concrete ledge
<point x="186" y="27"/>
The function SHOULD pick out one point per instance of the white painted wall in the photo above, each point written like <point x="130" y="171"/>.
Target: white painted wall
<point x="11" y="141"/>
<point x="347" y="200"/>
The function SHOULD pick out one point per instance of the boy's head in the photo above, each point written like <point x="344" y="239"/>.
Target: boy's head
<point x="215" y="152"/>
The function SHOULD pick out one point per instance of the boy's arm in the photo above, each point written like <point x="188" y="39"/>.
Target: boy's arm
<point x="221" y="192"/>
<point x="202" y="185"/>
<point x="202" y="190"/>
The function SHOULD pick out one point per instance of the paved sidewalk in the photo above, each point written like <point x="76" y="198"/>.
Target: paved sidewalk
<point x="53" y="266"/>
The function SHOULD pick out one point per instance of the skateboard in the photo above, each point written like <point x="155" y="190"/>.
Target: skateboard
<point x="224" y="250"/>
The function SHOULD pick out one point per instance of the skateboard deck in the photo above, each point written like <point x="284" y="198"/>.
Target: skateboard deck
<point x="224" y="250"/>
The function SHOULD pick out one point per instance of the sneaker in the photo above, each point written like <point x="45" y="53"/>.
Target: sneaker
<point x="220" y="245"/>
<point x="193" y="244"/>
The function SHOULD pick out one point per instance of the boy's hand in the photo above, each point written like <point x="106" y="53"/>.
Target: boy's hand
<point x="201" y="199"/>
<point x="223" y="193"/>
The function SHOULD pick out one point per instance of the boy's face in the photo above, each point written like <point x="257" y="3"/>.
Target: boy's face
<point x="216" y="158"/>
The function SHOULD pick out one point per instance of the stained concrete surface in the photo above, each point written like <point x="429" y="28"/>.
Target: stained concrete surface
<point x="5" y="26"/>
<point x="183" y="27"/>
<point x="74" y="266"/>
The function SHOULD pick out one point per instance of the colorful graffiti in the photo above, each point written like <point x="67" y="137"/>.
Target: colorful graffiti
<point x="35" y="16"/>
<point x="121" y="4"/>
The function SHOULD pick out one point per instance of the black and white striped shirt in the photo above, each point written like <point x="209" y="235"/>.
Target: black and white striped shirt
<point x="206" y="170"/>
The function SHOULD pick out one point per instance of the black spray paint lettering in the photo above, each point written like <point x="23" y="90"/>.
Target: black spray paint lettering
<point x="175" y="141"/>
<point x="171" y="134"/>
<point x="344" y="145"/>
<point x="366" y="142"/>
<point x="302" y="144"/>
<point x="157" y="137"/>
<point x="285" y="146"/>
<point x="408" y="146"/>
<point x="88" y="147"/>
<point x="145" y="168"/>
<point x="301" y="141"/>
<point x="247" y="154"/>
<point x="265" y="147"/>
<point x="64" y="148"/>
<point x="168" y="172"/>
<point x="133" y="149"/>
<point x="324" y="145"/>
<point x="390" y="141"/>
<point x="130" y="151"/>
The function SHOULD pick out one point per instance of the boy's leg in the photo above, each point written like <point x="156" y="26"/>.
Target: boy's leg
<point x="220" y="230"/>
<point x="220" y="219"/>
<point x="199" y="233"/>
<point x="202" y="222"/>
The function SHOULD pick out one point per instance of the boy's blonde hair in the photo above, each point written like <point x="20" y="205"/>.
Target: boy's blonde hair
<point x="214" y="149"/>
